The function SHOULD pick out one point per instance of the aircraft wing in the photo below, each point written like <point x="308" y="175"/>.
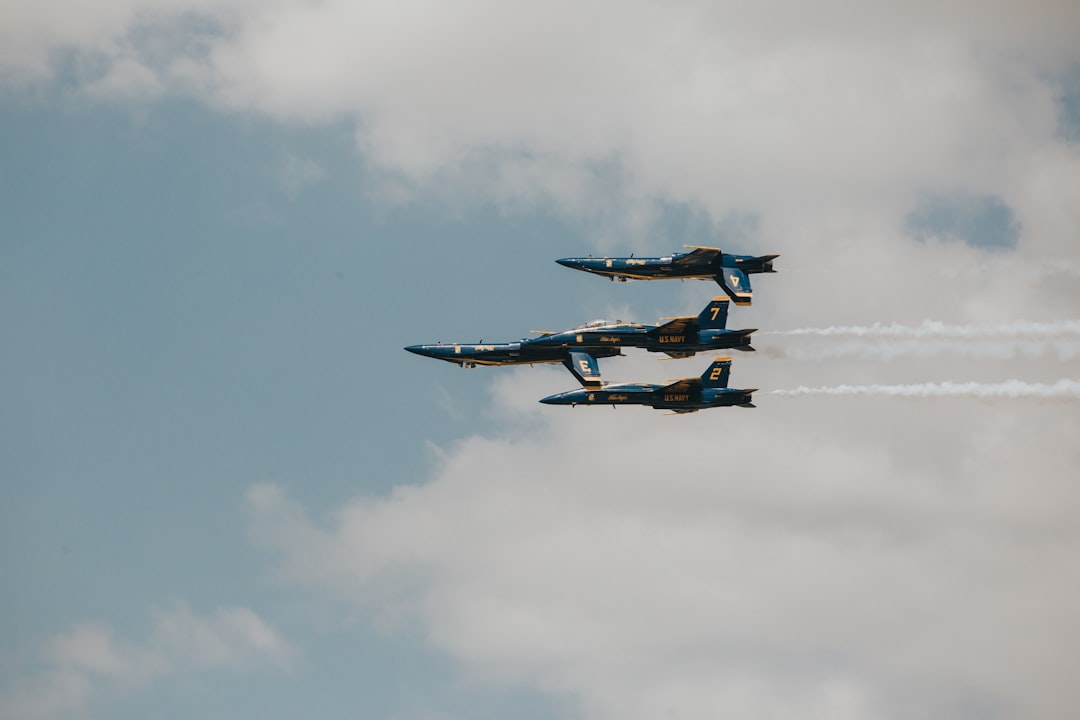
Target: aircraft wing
<point x="698" y="255"/>
<point x="684" y="385"/>
<point x="675" y="326"/>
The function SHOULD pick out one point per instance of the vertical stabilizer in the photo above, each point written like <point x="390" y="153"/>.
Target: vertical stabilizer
<point x="736" y="284"/>
<point x="584" y="367"/>
<point x="717" y="374"/>
<point x="714" y="316"/>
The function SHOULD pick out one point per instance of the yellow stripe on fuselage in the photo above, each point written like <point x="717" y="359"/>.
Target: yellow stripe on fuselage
<point x="478" y="361"/>
<point x="632" y="276"/>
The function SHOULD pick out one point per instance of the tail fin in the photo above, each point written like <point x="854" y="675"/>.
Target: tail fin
<point x="717" y="374"/>
<point x="736" y="284"/>
<point x="714" y="316"/>
<point x="583" y="366"/>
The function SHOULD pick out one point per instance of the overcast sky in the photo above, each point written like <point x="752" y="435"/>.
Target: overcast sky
<point x="226" y="491"/>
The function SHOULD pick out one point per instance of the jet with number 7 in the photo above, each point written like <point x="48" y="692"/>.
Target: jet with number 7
<point x="701" y="263"/>
<point x="682" y="396"/>
<point x="579" y="348"/>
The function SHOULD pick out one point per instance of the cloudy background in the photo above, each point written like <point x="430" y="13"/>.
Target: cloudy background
<point x="226" y="492"/>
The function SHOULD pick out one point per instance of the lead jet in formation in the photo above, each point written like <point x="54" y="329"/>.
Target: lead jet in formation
<point x="579" y="348"/>
<point x="682" y="396"/>
<point x="701" y="263"/>
<point x="580" y="362"/>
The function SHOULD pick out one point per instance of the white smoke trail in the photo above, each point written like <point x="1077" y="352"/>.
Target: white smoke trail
<point x="1062" y="390"/>
<point x="935" y="328"/>
<point x="888" y="349"/>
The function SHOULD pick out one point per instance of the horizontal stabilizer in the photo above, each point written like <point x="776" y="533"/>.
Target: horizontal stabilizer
<point x="748" y="398"/>
<point x="744" y="337"/>
<point x="760" y="264"/>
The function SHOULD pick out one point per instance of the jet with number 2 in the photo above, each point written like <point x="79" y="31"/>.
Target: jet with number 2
<point x="682" y="396"/>
<point x="701" y="263"/>
<point x="579" y="348"/>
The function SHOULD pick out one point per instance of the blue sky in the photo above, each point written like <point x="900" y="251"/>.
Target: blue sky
<point x="226" y="491"/>
<point x="183" y="324"/>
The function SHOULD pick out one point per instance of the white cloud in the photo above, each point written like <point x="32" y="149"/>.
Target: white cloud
<point x="90" y="661"/>
<point x="820" y="558"/>
<point x="846" y="111"/>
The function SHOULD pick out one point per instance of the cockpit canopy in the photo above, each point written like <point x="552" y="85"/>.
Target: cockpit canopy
<point x="598" y="323"/>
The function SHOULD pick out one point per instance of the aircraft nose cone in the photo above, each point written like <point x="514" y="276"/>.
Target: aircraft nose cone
<point x="568" y="262"/>
<point x="560" y="399"/>
<point x="424" y="350"/>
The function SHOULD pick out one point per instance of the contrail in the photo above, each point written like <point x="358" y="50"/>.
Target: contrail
<point x="888" y="349"/>
<point x="1062" y="390"/>
<point x="935" y="328"/>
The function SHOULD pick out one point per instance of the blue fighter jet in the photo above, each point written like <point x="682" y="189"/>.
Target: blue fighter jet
<point x="701" y="263"/>
<point x="582" y="364"/>
<point x="579" y="348"/>
<point x="682" y="396"/>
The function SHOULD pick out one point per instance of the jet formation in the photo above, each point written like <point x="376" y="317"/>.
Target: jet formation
<point x="579" y="348"/>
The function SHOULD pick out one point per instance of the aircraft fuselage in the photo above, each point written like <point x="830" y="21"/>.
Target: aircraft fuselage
<point x="600" y="341"/>
<point x="656" y="396"/>
<point x="677" y="265"/>
<point x="525" y="352"/>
